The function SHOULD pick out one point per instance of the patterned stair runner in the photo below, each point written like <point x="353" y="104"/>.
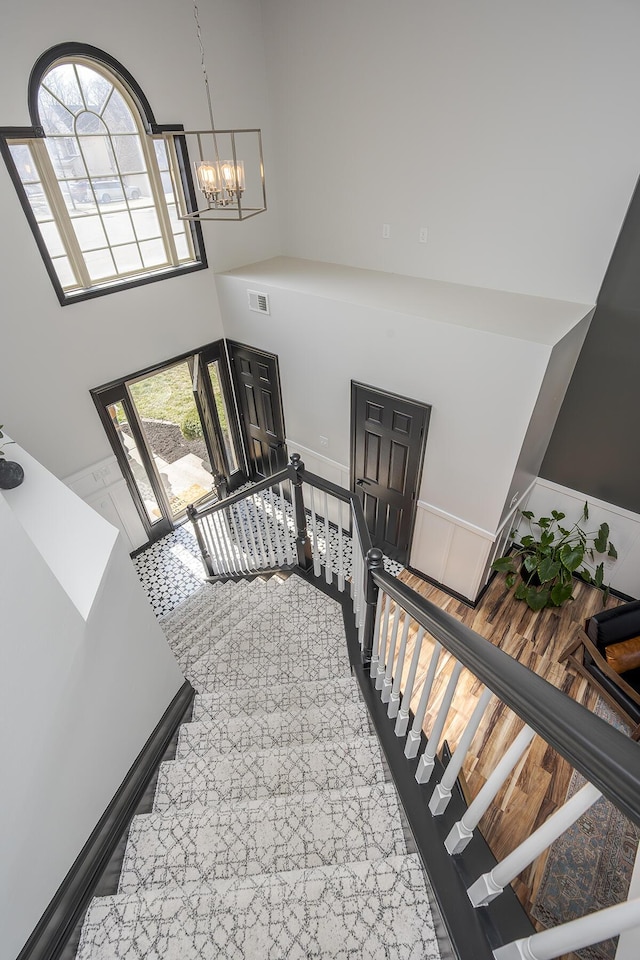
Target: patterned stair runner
<point x="275" y="832"/>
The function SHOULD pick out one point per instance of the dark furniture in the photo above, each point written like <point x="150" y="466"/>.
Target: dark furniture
<point x="588" y="656"/>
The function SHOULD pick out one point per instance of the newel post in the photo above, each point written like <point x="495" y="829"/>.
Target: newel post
<point x="206" y="557"/>
<point x="374" y="561"/>
<point x="303" y="545"/>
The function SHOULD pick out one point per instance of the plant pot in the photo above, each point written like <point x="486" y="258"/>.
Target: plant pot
<point x="11" y="474"/>
<point x="531" y="579"/>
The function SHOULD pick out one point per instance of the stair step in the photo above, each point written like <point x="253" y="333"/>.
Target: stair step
<point x="207" y="676"/>
<point x="290" y="728"/>
<point x="192" y="849"/>
<point x="369" y="910"/>
<point x="283" y="696"/>
<point x="313" y="768"/>
<point x="217" y="610"/>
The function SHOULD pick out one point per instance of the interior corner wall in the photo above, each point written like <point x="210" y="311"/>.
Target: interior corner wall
<point x="79" y="697"/>
<point x="594" y="446"/>
<point x="506" y="128"/>
<point x="53" y="355"/>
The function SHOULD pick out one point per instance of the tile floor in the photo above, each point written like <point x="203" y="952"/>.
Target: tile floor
<point x="172" y="570"/>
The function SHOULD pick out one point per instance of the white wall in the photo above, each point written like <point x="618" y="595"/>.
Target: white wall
<point x="622" y="574"/>
<point x="330" y="325"/>
<point x="86" y="676"/>
<point x="52" y="355"/>
<point x="506" y="127"/>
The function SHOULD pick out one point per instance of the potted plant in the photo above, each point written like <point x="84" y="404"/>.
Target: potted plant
<point x="11" y="473"/>
<point x="544" y="562"/>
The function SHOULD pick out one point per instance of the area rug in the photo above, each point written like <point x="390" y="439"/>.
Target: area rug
<point x="589" y="867"/>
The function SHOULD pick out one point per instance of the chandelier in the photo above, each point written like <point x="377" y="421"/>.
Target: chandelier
<point x="228" y="165"/>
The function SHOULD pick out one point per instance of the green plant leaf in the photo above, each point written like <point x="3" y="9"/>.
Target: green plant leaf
<point x="530" y="563"/>
<point x="510" y="579"/>
<point x="605" y="595"/>
<point x="584" y="573"/>
<point x="572" y="557"/>
<point x="613" y="553"/>
<point x="528" y="540"/>
<point x="547" y="569"/>
<point x="528" y="514"/>
<point x="600" y="542"/>
<point x="557" y="515"/>
<point x="585" y="511"/>
<point x="544" y="522"/>
<point x="537" y="599"/>
<point x="503" y="565"/>
<point x="560" y="593"/>
<point x="564" y="531"/>
<point x="520" y="593"/>
<point x="598" y="578"/>
<point x="547" y="538"/>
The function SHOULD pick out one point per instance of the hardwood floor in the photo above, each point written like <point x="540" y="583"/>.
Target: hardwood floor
<point x="539" y="783"/>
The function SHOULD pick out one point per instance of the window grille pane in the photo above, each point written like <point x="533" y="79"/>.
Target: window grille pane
<point x="51" y="237"/>
<point x="118" y="116"/>
<point x="95" y="88"/>
<point x="89" y="232"/>
<point x="65" y="273"/>
<point x="55" y="117"/>
<point x="153" y="253"/>
<point x="127" y="258"/>
<point x="62" y="82"/>
<point x="98" y="156"/>
<point x="182" y="247"/>
<point x="128" y="153"/>
<point x="119" y="227"/>
<point x="100" y="264"/>
<point x="146" y="223"/>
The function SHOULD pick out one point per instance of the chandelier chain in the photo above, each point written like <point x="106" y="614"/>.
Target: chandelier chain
<point x="203" y="63"/>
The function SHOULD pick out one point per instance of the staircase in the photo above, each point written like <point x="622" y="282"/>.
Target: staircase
<point x="275" y="832"/>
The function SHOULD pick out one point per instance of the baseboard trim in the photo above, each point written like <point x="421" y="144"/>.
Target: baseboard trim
<point x="59" y="920"/>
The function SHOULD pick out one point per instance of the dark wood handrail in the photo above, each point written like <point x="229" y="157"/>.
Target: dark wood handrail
<point x="603" y="754"/>
<point x="196" y="513"/>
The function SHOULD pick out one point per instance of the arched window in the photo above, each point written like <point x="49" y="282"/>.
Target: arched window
<point x="98" y="179"/>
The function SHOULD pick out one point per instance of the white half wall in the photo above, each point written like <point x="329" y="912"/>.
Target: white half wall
<point x="103" y="487"/>
<point x="622" y="574"/>
<point x="86" y="676"/>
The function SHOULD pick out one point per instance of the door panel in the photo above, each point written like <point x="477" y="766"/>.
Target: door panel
<point x="257" y="382"/>
<point x="388" y="435"/>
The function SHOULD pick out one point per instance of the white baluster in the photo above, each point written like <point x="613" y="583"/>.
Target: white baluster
<point x="568" y="937"/>
<point x="276" y="530"/>
<point x="266" y="531"/>
<point x="215" y="533"/>
<point x="213" y="553"/>
<point x="248" y="527"/>
<point x="413" y="738"/>
<point x="264" y="559"/>
<point x="239" y="526"/>
<point x="442" y="793"/>
<point x="227" y="539"/>
<point x="387" y="683"/>
<point x="340" y="548"/>
<point x="288" y="538"/>
<point x="328" y="570"/>
<point x="375" y="650"/>
<point x="237" y="542"/>
<point x="394" y="699"/>
<point x="386" y="647"/>
<point x="382" y="645"/>
<point x="462" y="831"/>
<point x="490" y="885"/>
<point x="403" y="716"/>
<point x="428" y="759"/>
<point x="315" y="546"/>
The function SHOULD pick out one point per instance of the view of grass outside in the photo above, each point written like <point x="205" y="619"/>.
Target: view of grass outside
<point x="168" y="395"/>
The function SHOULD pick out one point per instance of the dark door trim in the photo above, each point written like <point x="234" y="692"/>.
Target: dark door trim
<point x="355" y="384"/>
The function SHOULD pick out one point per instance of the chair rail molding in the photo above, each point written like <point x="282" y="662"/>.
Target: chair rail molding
<point x="622" y="574"/>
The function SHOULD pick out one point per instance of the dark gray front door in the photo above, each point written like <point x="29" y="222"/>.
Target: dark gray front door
<point x="388" y="436"/>
<point x="257" y="384"/>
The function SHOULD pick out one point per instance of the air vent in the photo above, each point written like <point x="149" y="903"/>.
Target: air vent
<point x="258" y="301"/>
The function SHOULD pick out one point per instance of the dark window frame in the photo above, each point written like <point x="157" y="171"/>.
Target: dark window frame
<point x="35" y="131"/>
